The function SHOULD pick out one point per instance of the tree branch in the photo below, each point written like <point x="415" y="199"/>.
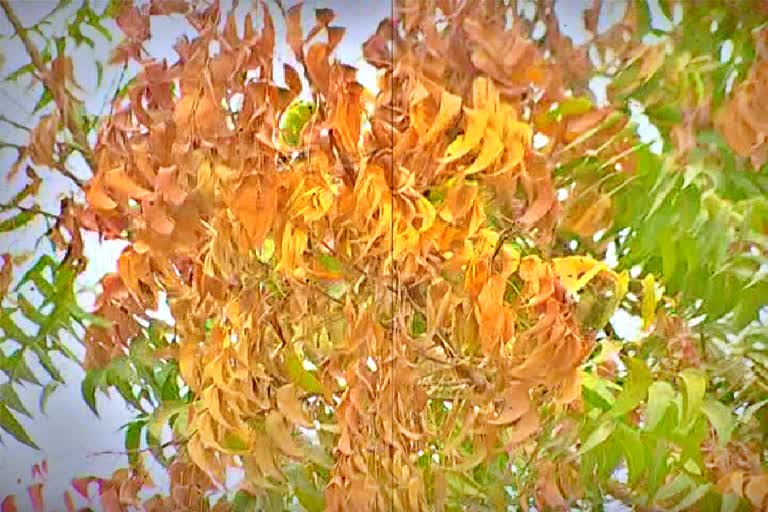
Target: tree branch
<point x="74" y="127"/>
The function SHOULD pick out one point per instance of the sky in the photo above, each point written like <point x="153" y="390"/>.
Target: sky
<point x="69" y="435"/>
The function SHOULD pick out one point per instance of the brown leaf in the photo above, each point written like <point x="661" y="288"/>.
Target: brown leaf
<point x="169" y="7"/>
<point x="6" y="274"/>
<point x="43" y="140"/>
<point x="290" y="406"/>
<point x="294" y="35"/>
<point x="133" y="23"/>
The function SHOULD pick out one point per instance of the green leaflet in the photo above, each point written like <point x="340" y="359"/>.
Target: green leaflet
<point x="694" y="387"/>
<point x="162" y="415"/>
<point x="16" y="222"/>
<point x="305" y="379"/>
<point x="597" y="436"/>
<point x="661" y="396"/>
<point x="721" y="419"/>
<point x="634" y="390"/>
<point x="10" y="425"/>
<point x="293" y="121"/>
<point x="133" y="441"/>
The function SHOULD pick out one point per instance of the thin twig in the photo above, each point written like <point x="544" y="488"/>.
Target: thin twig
<point x="78" y="135"/>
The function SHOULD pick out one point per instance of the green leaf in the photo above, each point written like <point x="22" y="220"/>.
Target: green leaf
<point x="721" y="419"/>
<point x="45" y="98"/>
<point x="309" y="496"/>
<point x="418" y="325"/>
<point x="330" y="263"/>
<point x="694" y="496"/>
<point x="162" y="415"/>
<point x="88" y="388"/>
<point x="10" y="398"/>
<point x="13" y="427"/>
<point x="634" y="390"/>
<point x="16" y="222"/>
<point x="634" y="452"/>
<point x="27" y="68"/>
<point x="660" y="396"/>
<point x="677" y="485"/>
<point x="16" y="368"/>
<point x="233" y="442"/>
<point x="643" y="12"/>
<point x="133" y="440"/>
<point x="244" y="502"/>
<point x="598" y="436"/>
<point x="306" y="380"/>
<point x="730" y="503"/>
<point x="695" y="385"/>
<point x="46" y="394"/>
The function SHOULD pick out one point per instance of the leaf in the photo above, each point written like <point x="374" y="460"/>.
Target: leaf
<point x="298" y="375"/>
<point x="695" y="385"/>
<point x="721" y="419"/>
<point x="45" y="98"/>
<point x="660" y="396"/>
<point x="648" y="308"/>
<point x="634" y="452"/>
<point x="310" y="497"/>
<point x="46" y="394"/>
<point x="133" y="441"/>
<point x="634" y="390"/>
<point x="692" y="498"/>
<point x="9" y="504"/>
<point x="16" y="221"/>
<point x="597" y="436"/>
<point x="35" y="492"/>
<point x="331" y="264"/>
<point x="289" y="405"/>
<point x="13" y="427"/>
<point x="10" y="398"/>
<point x="162" y="415"/>
<point x="88" y="389"/>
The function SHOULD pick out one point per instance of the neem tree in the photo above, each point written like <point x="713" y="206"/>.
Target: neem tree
<point x="402" y="301"/>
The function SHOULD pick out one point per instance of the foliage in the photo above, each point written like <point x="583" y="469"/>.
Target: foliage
<point x="412" y="298"/>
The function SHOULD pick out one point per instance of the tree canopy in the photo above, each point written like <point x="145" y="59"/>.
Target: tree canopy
<point x="416" y="297"/>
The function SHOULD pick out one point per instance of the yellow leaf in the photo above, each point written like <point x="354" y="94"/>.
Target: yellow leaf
<point x="576" y="271"/>
<point x="648" y="309"/>
<point x="450" y="106"/>
<point x="477" y="120"/>
<point x="489" y="153"/>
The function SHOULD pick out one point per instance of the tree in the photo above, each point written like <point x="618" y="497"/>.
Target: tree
<point x="412" y="299"/>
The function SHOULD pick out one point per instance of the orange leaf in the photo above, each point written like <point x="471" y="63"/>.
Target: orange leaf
<point x="255" y="206"/>
<point x="9" y="504"/>
<point x="35" y="492"/>
<point x="294" y="35"/>
<point x="119" y="182"/>
<point x="289" y="405"/>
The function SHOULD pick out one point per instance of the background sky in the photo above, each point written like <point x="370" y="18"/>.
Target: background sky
<point x="69" y="435"/>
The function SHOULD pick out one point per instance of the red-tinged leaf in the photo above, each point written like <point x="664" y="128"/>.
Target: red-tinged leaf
<point x="36" y="497"/>
<point x="9" y="504"/>
<point x="69" y="502"/>
<point x="294" y="36"/>
<point x="81" y="486"/>
<point x="110" y="501"/>
<point x="169" y="7"/>
<point x="133" y="23"/>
